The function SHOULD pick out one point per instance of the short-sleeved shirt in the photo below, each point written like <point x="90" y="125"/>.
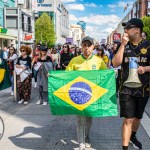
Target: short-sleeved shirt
<point x="24" y="61"/>
<point x="142" y="52"/>
<point x="81" y="63"/>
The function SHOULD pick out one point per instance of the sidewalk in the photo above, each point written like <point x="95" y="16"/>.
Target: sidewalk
<point x="33" y="127"/>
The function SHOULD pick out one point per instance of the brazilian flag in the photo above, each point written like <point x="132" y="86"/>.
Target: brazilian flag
<point x="4" y="76"/>
<point x="86" y="93"/>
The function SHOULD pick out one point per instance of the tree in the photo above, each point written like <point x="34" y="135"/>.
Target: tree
<point x="44" y="30"/>
<point x="146" y="21"/>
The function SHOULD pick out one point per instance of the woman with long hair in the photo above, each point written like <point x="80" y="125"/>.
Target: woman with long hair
<point x="12" y="60"/>
<point x="24" y="64"/>
<point x="65" y="56"/>
<point x="77" y="51"/>
<point x="101" y="54"/>
<point x="45" y="64"/>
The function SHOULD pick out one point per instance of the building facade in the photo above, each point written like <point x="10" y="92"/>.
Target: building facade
<point x="6" y="37"/>
<point x="59" y="15"/>
<point x="18" y="19"/>
<point x="139" y="9"/>
<point x="76" y="34"/>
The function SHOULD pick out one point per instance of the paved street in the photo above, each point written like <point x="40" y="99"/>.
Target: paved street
<point x="33" y="127"/>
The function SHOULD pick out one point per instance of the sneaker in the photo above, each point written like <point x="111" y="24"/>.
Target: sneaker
<point x="21" y="101"/>
<point x="81" y="146"/>
<point x="136" y="144"/>
<point x="38" y="102"/>
<point x="12" y="93"/>
<point x="26" y="102"/>
<point x="44" y="103"/>
<point x="35" y="84"/>
<point x="87" y="142"/>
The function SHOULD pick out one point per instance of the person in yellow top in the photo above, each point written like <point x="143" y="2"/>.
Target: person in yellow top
<point x="101" y="54"/>
<point x="86" y="61"/>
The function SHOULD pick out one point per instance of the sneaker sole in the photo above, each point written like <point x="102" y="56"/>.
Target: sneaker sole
<point x="87" y="146"/>
<point x="133" y="145"/>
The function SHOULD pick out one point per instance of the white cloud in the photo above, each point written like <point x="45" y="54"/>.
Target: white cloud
<point x="121" y="4"/>
<point x="98" y="26"/>
<point x="112" y="6"/>
<point x="101" y="19"/>
<point x="90" y="5"/>
<point x="75" y="7"/>
<point x="73" y="18"/>
<point x="67" y="1"/>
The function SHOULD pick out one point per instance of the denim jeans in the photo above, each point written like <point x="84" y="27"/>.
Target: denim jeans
<point x="12" y="82"/>
<point x="83" y="129"/>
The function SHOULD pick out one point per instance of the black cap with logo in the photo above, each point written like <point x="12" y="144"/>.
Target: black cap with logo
<point x="87" y="38"/>
<point x="134" y="22"/>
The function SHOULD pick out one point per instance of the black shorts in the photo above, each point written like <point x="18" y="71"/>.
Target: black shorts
<point x="132" y="107"/>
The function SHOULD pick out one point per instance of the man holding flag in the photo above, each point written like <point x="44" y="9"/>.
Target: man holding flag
<point x="84" y="89"/>
<point x="87" y="61"/>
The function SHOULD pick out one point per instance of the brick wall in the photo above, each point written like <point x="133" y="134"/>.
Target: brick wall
<point x="143" y="8"/>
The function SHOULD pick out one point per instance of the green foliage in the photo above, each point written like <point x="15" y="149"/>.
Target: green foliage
<point x="146" y="21"/>
<point x="44" y="30"/>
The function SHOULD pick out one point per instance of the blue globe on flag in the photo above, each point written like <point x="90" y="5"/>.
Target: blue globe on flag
<point x="80" y="92"/>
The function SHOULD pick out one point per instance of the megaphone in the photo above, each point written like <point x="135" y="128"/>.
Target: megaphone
<point x="133" y="79"/>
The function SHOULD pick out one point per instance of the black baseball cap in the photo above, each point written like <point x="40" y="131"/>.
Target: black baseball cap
<point x="87" y="38"/>
<point x="134" y="21"/>
<point x="43" y="48"/>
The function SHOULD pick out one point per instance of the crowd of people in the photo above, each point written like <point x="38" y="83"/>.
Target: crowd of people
<point x="37" y="63"/>
<point x="29" y="62"/>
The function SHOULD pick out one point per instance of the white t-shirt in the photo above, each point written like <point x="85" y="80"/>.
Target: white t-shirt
<point x="56" y="57"/>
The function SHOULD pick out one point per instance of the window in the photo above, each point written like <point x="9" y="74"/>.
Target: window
<point x="11" y="22"/>
<point x="148" y="4"/>
<point x="29" y="24"/>
<point x="22" y="21"/>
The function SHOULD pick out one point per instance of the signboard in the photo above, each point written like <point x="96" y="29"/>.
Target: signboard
<point x="116" y="37"/>
<point x="69" y="40"/>
<point x="27" y="37"/>
<point x="42" y="5"/>
<point x="3" y="30"/>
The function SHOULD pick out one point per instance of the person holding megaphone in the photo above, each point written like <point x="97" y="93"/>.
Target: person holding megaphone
<point x="134" y="57"/>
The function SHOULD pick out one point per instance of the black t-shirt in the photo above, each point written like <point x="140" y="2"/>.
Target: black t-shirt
<point x="24" y="61"/>
<point x="48" y="59"/>
<point x="142" y="52"/>
<point x="65" y="58"/>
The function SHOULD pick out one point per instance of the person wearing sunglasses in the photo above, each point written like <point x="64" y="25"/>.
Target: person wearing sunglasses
<point x="86" y="61"/>
<point x="101" y="54"/>
<point x="65" y="56"/>
<point x="12" y="60"/>
<point x="133" y="100"/>
<point x="24" y="63"/>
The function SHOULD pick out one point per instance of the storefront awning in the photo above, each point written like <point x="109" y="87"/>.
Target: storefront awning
<point x="4" y="36"/>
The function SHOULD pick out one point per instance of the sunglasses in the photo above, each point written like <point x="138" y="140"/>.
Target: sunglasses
<point x="129" y="27"/>
<point x="22" y="51"/>
<point x="65" y="47"/>
<point x="11" y="49"/>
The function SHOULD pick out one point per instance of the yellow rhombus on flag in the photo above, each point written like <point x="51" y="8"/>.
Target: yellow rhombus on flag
<point x="95" y="94"/>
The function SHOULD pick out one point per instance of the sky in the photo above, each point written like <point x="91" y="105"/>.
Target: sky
<point x="101" y="16"/>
